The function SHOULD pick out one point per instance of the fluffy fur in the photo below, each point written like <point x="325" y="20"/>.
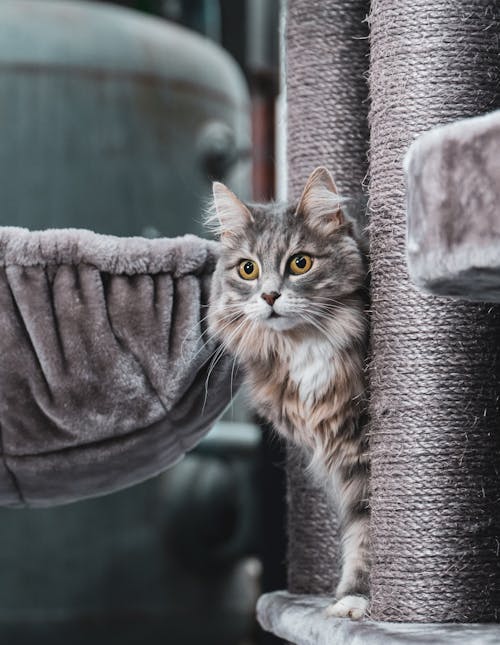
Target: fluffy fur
<point x="301" y="340"/>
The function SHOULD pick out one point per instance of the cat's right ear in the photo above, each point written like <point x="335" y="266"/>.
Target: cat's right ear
<point x="231" y="213"/>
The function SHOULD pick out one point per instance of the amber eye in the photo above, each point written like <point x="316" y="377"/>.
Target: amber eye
<point x="248" y="270"/>
<point x="300" y="263"/>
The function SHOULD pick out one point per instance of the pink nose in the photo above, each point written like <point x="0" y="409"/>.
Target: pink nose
<point x="271" y="297"/>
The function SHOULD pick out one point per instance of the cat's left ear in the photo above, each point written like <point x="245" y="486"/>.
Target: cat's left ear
<point x="232" y="213"/>
<point x="319" y="204"/>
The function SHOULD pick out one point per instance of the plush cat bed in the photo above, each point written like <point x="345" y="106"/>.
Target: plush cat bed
<point x="103" y="366"/>
<point x="453" y="195"/>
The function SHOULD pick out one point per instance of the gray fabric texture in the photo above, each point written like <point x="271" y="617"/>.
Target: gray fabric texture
<point x="302" y="621"/>
<point x="103" y="364"/>
<point x="453" y="196"/>
<point x="326" y="93"/>
<point x="435" y="374"/>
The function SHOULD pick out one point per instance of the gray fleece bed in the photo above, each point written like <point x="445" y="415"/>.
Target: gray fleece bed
<point x="103" y="361"/>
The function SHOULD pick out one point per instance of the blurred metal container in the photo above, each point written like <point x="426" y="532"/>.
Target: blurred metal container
<point x="114" y="121"/>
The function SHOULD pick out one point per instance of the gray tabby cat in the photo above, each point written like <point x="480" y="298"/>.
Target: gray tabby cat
<point x="288" y="300"/>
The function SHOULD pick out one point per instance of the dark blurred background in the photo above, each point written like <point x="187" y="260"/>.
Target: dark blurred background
<point x="118" y="118"/>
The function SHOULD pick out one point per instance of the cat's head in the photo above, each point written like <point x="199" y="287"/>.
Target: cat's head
<point x="283" y="270"/>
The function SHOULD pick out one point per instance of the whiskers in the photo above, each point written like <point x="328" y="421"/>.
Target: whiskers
<point x="235" y="313"/>
<point x="326" y="316"/>
<point x="226" y="346"/>
<point x="328" y="303"/>
<point x="230" y="324"/>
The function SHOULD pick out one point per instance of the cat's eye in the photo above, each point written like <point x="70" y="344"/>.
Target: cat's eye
<point x="248" y="270"/>
<point x="300" y="263"/>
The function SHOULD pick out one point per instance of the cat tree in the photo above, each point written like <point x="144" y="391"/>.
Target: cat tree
<point x="434" y="370"/>
<point x="434" y="366"/>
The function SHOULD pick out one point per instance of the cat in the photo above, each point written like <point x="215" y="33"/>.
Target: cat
<point x="288" y="300"/>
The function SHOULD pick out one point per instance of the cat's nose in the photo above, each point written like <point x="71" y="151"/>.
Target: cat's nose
<point x="271" y="297"/>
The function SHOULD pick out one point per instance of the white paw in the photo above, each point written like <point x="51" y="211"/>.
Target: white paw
<point x="349" y="607"/>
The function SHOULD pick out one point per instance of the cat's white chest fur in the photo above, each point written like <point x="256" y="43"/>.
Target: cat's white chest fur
<point x="312" y="368"/>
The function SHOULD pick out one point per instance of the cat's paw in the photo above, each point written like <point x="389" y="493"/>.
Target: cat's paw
<point x="348" y="607"/>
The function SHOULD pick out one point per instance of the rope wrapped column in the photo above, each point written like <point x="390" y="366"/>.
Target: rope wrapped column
<point x="326" y="61"/>
<point x="435" y="368"/>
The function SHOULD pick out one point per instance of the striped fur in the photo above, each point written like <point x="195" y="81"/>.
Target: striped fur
<point x="303" y="355"/>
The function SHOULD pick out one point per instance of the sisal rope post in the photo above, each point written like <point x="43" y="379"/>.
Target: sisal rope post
<point x="435" y="369"/>
<point x="326" y="61"/>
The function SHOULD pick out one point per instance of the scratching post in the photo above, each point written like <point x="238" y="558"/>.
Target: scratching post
<point x="435" y="369"/>
<point x="326" y="59"/>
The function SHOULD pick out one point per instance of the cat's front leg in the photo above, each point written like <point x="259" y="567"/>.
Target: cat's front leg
<point x="351" y="495"/>
<point x="352" y="591"/>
